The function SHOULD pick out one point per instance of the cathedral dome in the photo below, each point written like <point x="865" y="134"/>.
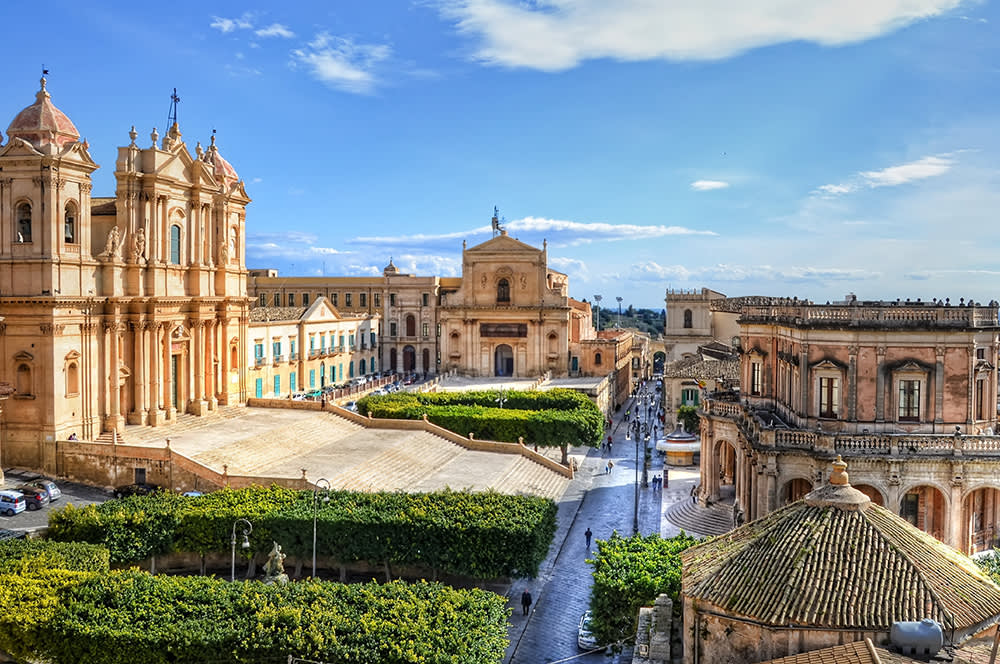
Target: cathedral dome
<point x="224" y="171"/>
<point x="42" y="123"/>
<point x="390" y="269"/>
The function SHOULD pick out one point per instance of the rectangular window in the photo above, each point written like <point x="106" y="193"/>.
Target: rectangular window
<point x="312" y="342"/>
<point x="910" y="508"/>
<point x="312" y="378"/>
<point x="363" y="300"/>
<point x="259" y="388"/>
<point x="755" y="378"/>
<point x="376" y="299"/>
<point x="829" y="396"/>
<point x="980" y="353"/>
<point x="276" y="348"/>
<point x="292" y="382"/>
<point x="426" y="330"/>
<point x="291" y="299"/>
<point x="347" y="299"/>
<point x="277" y="299"/>
<point x="392" y="329"/>
<point x="392" y="299"/>
<point x="262" y="300"/>
<point x="980" y="404"/>
<point x="258" y="350"/>
<point x="909" y="400"/>
<point x="322" y="342"/>
<point x="350" y="340"/>
<point x="305" y="299"/>
<point x="689" y="397"/>
<point x="333" y="299"/>
<point x="425" y="298"/>
<point x="373" y="339"/>
<point x="277" y="386"/>
<point x="292" y="344"/>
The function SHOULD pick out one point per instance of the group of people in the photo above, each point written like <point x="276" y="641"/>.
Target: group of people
<point x="658" y="482"/>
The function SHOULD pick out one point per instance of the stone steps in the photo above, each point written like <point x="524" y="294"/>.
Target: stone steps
<point x="524" y="476"/>
<point x="697" y="520"/>
<point x="410" y="460"/>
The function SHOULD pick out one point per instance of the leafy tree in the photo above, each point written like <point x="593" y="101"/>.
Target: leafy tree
<point x="990" y="565"/>
<point x="688" y="415"/>
<point x="629" y="573"/>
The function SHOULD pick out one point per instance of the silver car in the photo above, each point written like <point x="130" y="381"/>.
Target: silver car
<point x="49" y="486"/>
<point x="585" y="639"/>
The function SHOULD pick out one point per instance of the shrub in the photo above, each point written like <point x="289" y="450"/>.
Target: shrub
<point x="688" y="416"/>
<point x="629" y="573"/>
<point x="27" y="556"/>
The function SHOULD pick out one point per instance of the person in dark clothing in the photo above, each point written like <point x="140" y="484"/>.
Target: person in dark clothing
<point x="525" y="602"/>
<point x="588" y="535"/>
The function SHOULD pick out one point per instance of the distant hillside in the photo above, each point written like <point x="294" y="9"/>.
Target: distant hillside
<point x="649" y="321"/>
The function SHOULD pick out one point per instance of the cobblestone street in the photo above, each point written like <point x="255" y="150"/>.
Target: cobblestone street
<point x="603" y="502"/>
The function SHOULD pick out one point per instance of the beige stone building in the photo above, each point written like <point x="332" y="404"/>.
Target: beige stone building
<point x="127" y="308"/>
<point x="906" y="392"/>
<point x="695" y="318"/>
<point x="303" y="349"/>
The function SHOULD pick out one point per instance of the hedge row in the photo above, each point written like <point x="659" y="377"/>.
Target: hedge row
<point x="482" y="535"/>
<point x="24" y="556"/>
<point x="131" y="616"/>
<point x="553" y="418"/>
<point x="629" y="573"/>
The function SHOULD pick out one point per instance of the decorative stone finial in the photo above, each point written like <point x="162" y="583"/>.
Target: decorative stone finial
<point x="42" y="82"/>
<point x="198" y="150"/>
<point x="132" y="134"/>
<point x="839" y="474"/>
<point x="155" y="136"/>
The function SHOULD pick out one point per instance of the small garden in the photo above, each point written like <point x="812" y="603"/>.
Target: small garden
<point x="553" y="418"/>
<point x="76" y="597"/>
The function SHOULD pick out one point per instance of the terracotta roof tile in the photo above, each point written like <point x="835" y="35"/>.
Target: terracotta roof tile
<point x="858" y="652"/>
<point x="264" y="314"/>
<point x="695" y="367"/>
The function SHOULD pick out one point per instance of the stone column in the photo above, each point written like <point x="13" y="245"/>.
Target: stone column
<point x="211" y="363"/>
<point x="953" y="536"/>
<point x="804" y="381"/>
<point x="139" y="408"/>
<point x="852" y="387"/>
<point x="879" y="386"/>
<point x="971" y="397"/>
<point x="198" y="404"/>
<point x="224" y="358"/>
<point x="113" y="418"/>
<point x="155" y="358"/>
<point x="939" y="389"/>
<point x="168" y="402"/>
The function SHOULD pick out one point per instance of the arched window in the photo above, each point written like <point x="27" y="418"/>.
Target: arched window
<point x="597" y="358"/>
<point x="687" y="319"/>
<point x="553" y="343"/>
<point x="24" y="222"/>
<point x="23" y="384"/>
<point x="175" y="244"/>
<point x="69" y="224"/>
<point x="503" y="291"/>
<point x="72" y="379"/>
<point x="411" y="326"/>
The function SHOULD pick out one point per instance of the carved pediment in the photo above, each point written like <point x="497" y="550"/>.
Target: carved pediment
<point x="829" y="365"/>
<point x="23" y="356"/>
<point x="72" y="355"/>
<point x="18" y="147"/>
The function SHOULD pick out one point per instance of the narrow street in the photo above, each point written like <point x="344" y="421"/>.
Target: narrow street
<point x="603" y="502"/>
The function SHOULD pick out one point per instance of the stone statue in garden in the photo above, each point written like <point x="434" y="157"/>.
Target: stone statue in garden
<point x="274" y="568"/>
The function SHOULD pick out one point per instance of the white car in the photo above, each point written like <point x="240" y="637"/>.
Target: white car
<point x="585" y="639"/>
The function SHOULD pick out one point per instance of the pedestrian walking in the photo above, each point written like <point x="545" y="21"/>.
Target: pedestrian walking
<point x="607" y="468"/>
<point x="525" y="602"/>
<point x="588" y="535"/>
<point x="666" y="477"/>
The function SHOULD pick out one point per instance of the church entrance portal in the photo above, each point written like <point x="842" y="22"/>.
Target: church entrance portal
<point x="503" y="361"/>
<point x="409" y="359"/>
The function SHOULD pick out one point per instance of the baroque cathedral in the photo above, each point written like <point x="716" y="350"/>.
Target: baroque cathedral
<point x="130" y="308"/>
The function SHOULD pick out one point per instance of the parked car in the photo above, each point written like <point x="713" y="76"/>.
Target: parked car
<point x="12" y="502"/>
<point x="49" y="486"/>
<point x="351" y="406"/>
<point x="138" y="489"/>
<point x="192" y="494"/>
<point x="6" y="534"/>
<point x="585" y="639"/>
<point x="34" y="497"/>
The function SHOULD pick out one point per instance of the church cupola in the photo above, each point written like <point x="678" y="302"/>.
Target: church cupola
<point x="42" y="124"/>
<point x="223" y="170"/>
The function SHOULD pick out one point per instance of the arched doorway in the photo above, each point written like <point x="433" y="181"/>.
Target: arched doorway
<point x="795" y="489"/>
<point x="426" y="360"/>
<point x="503" y="360"/>
<point x="322" y="375"/>
<point x="981" y="520"/>
<point x="659" y="359"/>
<point x="724" y="468"/>
<point x="873" y="494"/>
<point x="392" y="359"/>
<point x="409" y="359"/>
<point x="926" y="508"/>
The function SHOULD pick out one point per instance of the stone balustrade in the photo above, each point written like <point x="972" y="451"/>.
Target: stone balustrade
<point x="887" y="314"/>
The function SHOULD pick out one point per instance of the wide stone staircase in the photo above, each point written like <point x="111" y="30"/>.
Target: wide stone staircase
<point x="716" y="519"/>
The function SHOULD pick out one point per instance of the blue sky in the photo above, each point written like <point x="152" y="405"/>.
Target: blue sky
<point x="778" y="147"/>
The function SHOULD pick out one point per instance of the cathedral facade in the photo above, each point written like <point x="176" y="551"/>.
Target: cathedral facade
<point x="129" y="308"/>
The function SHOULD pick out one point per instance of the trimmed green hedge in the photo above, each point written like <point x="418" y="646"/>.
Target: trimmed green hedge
<point x="25" y="556"/>
<point x="129" y="616"/>
<point x="482" y="535"/>
<point x="629" y="573"/>
<point x="553" y="418"/>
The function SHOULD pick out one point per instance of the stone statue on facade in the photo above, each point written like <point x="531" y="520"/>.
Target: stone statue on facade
<point x="112" y="243"/>
<point x="274" y="568"/>
<point x="139" y="246"/>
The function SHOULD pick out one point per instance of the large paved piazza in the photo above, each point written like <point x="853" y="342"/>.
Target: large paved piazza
<point x="279" y="443"/>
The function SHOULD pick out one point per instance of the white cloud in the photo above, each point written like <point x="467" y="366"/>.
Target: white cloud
<point x="329" y="251"/>
<point x="555" y="35"/>
<point x="708" y="185"/>
<point x="652" y="271"/>
<point x="342" y="64"/>
<point x="893" y="176"/>
<point x="226" y="25"/>
<point x="275" y="30"/>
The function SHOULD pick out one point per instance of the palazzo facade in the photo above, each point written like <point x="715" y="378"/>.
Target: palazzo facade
<point x="129" y="308"/>
<point x="906" y="392"/>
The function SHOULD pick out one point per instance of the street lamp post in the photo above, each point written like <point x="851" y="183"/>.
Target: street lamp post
<point x="619" y="298"/>
<point x="326" y="497"/>
<point x="247" y="528"/>
<point x="635" y="512"/>
<point x="598" y="298"/>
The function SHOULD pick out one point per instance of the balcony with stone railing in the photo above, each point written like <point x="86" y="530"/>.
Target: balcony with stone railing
<point x="278" y="359"/>
<point x="935" y="314"/>
<point x="764" y="430"/>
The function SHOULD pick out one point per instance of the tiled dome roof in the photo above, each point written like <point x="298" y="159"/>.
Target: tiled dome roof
<point x="42" y="123"/>
<point x="224" y="171"/>
<point x="834" y="560"/>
